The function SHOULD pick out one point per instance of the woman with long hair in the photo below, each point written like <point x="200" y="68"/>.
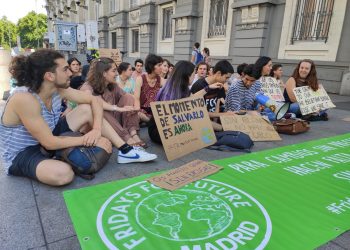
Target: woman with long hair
<point x="175" y="88"/>
<point x="262" y="69"/>
<point x="303" y="75"/>
<point x="118" y="105"/>
<point x="263" y="66"/>
<point x="165" y="69"/>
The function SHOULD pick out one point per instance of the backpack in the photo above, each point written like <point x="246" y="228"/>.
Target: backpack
<point x="199" y="57"/>
<point x="85" y="161"/>
<point x="232" y="141"/>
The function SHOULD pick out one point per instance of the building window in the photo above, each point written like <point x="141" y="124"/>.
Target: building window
<point x="167" y="23"/>
<point x="218" y="18"/>
<point x="111" y="6"/>
<point x="135" y="41"/>
<point x="114" y="40"/>
<point x="117" y="5"/>
<point x="134" y="3"/>
<point x="312" y="20"/>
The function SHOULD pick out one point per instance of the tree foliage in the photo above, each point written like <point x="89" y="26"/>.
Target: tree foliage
<point x="8" y="33"/>
<point x="31" y="29"/>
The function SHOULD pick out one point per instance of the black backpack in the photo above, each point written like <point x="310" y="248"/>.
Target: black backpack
<point x="232" y="141"/>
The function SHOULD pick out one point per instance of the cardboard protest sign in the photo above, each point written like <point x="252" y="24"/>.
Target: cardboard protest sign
<point x="253" y="125"/>
<point x="271" y="88"/>
<point x="111" y="53"/>
<point x="181" y="176"/>
<point x="184" y="126"/>
<point x="312" y="101"/>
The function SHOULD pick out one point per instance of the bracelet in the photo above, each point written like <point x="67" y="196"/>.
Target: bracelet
<point x="114" y="107"/>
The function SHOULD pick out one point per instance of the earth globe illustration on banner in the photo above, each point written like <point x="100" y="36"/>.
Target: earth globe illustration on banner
<point x="204" y="211"/>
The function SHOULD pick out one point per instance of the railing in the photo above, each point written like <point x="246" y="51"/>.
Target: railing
<point x="312" y="20"/>
<point x="218" y="18"/>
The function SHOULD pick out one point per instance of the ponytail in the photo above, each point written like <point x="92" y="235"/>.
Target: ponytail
<point x="19" y="70"/>
<point x="29" y="71"/>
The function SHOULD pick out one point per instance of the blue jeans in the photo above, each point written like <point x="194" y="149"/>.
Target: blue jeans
<point x="271" y="115"/>
<point x="295" y="109"/>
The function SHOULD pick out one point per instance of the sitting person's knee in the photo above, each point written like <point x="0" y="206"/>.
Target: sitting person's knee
<point x="105" y="144"/>
<point x="64" y="176"/>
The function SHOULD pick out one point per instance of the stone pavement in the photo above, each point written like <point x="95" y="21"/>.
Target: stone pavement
<point x="34" y="216"/>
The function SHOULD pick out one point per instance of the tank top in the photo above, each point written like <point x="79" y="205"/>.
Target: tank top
<point x="297" y="84"/>
<point x="148" y="94"/>
<point x="14" y="139"/>
<point x="129" y="86"/>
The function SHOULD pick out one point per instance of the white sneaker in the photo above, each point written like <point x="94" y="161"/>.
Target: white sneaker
<point x="137" y="154"/>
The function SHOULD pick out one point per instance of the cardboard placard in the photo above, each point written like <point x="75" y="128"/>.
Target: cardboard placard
<point x="111" y="53"/>
<point x="271" y="88"/>
<point x="181" y="176"/>
<point x="183" y="125"/>
<point x="253" y="125"/>
<point x="312" y="101"/>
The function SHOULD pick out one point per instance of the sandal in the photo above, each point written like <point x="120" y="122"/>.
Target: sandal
<point x="139" y="144"/>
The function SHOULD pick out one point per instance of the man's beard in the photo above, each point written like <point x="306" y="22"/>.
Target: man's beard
<point x="62" y="85"/>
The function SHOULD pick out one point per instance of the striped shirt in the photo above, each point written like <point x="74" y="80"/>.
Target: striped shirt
<point x="241" y="98"/>
<point x="14" y="139"/>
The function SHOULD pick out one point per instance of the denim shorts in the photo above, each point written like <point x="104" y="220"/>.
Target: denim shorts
<point x="26" y="162"/>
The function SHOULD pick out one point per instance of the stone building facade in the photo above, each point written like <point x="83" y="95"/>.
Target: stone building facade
<point x="236" y="30"/>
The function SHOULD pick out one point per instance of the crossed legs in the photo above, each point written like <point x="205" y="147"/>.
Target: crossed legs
<point x="57" y="173"/>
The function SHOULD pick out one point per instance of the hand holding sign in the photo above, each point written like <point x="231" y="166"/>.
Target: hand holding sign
<point x="312" y="101"/>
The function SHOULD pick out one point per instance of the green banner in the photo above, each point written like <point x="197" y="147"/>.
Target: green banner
<point x="293" y="197"/>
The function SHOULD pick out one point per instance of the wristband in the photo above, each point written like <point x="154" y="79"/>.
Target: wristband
<point x="206" y="89"/>
<point x="114" y="107"/>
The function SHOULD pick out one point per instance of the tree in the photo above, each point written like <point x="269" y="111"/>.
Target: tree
<point x="31" y="29"/>
<point x="8" y="33"/>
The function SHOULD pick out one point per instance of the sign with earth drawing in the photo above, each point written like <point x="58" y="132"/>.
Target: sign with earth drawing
<point x="183" y="125"/>
<point x="293" y="197"/>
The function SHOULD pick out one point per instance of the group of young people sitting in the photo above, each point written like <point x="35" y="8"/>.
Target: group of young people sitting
<point x="108" y="104"/>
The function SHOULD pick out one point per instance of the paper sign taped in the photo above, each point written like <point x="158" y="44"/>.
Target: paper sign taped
<point x="312" y="101"/>
<point x="181" y="176"/>
<point x="253" y="125"/>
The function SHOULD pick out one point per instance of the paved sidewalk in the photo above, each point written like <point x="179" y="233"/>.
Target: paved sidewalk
<point x="34" y="216"/>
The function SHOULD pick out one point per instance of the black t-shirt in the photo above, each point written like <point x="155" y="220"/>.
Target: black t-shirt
<point x="76" y="82"/>
<point x="297" y="84"/>
<point x="211" y="96"/>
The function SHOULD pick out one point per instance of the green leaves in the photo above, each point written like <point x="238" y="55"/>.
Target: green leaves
<point x="31" y="29"/>
<point x="8" y="33"/>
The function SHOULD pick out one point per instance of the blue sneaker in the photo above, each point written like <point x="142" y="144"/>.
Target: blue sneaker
<point x="137" y="154"/>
